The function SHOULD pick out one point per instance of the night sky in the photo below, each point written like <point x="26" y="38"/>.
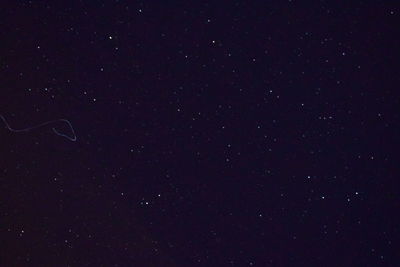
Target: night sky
<point x="209" y="133"/>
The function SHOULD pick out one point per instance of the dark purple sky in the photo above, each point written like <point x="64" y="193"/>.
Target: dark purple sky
<point x="215" y="133"/>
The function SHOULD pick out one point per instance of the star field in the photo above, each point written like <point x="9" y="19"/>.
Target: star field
<point x="233" y="133"/>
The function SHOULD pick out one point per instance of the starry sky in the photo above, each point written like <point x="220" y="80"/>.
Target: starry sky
<point x="209" y="133"/>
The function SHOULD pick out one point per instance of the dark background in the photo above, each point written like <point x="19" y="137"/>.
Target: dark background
<point x="210" y="133"/>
